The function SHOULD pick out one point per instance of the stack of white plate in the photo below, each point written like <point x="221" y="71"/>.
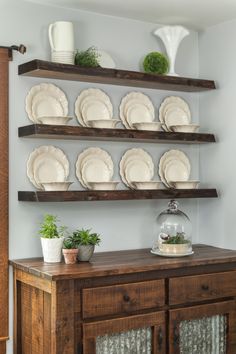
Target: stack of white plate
<point x="137" y="169"/>
<point x="174" y="170"/>
<point x="175" y="115"/>
<point x="48" y="168"/>
<point x="94" y="169"/>
<point x="137" y="112"/>
<point x="63" y="57"/>
<point x="94" y="105"/>
<point x="46" y="103"/>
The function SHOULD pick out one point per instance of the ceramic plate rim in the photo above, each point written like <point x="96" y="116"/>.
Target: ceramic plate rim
<point x="55" y="91"/>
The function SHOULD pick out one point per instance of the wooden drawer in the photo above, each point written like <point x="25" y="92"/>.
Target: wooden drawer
<point x="202" y="287"/>
<point x="115" y="299"/>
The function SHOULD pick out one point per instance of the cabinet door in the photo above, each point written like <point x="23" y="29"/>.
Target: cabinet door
<point x="128" y="335"/>
<point x="203" y="329"/>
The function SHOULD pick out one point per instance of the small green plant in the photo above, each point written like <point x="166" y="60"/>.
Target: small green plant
<point x="87" y="58"/>
<point x="156" y="62"/>
<point x="86" y="237"/>
<point x="70" y="243"/>
<point x="179" y="239"/>
<point x="49" y="228"/>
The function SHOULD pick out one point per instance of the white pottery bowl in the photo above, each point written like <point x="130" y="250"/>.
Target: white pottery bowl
<point x="56" y="186"/>
<point x="184" y="184"/>
<point x="103" y="123"/>
<point x="188" y="128"/>
<point x="147" y="185"/>
<point x="57" y="120"/>
<point x="103" y="186"/>
<point x="153" y="126"/>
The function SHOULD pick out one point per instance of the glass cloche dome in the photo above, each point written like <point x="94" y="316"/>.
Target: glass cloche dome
<point x="174" y="232"/>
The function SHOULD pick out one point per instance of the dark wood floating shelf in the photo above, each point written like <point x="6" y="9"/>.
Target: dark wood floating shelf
<point x="74" y="196"/>
<point x="49" y="70"/>
<point x="82" y="133"/>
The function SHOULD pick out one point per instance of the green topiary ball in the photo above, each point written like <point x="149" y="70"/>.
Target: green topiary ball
<point x="156" y="62"/>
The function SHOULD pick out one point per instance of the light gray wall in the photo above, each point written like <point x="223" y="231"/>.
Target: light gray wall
<point x="217" y="114"/>
<point x="123" y="225"/>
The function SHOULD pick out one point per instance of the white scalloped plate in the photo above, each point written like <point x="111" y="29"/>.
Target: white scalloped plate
<point x="170" y="156"/>
<point x="45" y="100"/>
<point x="131" y="99"/>
<point x="91" y="95"/>
<point x="173" y="102"/>
<point x="175" y="116"/>
<point x="94" y="110"/>
<point x="138" y="113"/>
<point x="176" y="170"/>
<point x="131" y="155"/>
<point x="93" y="154"/>
<point x="95" y="170"/>
<point x="47" y="164"/>
<point x="137" y="171"/>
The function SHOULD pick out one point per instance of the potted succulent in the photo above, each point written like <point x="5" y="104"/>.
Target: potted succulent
<point x="52" y="238"/>
<point x="86" y="241"/>
<point x="70" y="250"/>
<point x="177" y="244"/>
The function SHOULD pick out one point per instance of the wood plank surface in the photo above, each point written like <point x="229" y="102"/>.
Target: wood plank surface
<point x="127" y="262"/>
<point x="89" y="196"/>
<point x="39" y="283"/>
<point x="46" y="69"/>
<point x="62" y="317"/>
<point x="125" y="298"/>
<point x="43" y="131"/>
<point x="201" y="287"/>
<point x="46" y="323"/>
<point x="37" y="339"/>
<point x="5" y="56"/>
<point x="116" y="325"/>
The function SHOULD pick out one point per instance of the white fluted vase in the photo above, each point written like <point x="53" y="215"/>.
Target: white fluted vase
<point x="171" y="36"/>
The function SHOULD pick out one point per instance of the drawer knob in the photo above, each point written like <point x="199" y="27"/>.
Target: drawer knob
<point x="205" y="287"/>
<point x="126" y="298"/>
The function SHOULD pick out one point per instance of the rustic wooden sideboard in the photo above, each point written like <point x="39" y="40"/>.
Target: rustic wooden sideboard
<point x="127" y="302"/>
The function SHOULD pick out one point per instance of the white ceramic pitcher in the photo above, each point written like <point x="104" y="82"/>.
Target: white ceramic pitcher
<point x="61" y="36"/>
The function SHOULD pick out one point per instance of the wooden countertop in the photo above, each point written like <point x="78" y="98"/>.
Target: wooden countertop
<point x="124" y="262"/>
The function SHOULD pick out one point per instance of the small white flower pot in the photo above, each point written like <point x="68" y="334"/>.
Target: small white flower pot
<point x="52" y="249"/>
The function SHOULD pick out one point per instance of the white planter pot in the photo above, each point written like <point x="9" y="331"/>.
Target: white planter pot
<point x="52" y="249"/>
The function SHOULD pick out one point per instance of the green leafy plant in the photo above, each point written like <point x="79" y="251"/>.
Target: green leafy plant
<point x="70" y="243"/>
<point x="86" y="237"/>
<point x="87" y="58"/>
<point x="49" y="228"/>
<point x="156" y="62"/>
<point x="179" y="239"/>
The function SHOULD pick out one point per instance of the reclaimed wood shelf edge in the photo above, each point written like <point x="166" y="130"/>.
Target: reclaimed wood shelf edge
<point x="83" y="133"/>
<point x="46" y="69"/>
<point x="73" y="196"/>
